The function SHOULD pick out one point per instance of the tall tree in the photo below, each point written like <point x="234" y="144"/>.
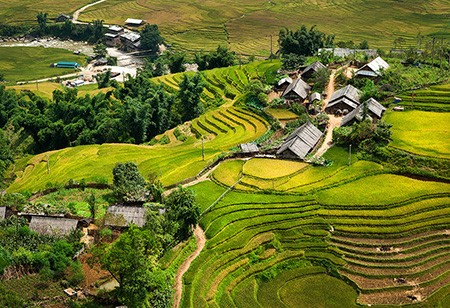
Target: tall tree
<point x="128" y="183"/>
<point x="42" y="21"/>
<point x="191" y="89"/>
<point x="183" y="209"/>
<point x="303" y="41"/>
<point x="151" y="38"/>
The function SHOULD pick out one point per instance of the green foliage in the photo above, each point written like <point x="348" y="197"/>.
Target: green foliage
<point x="191" y="89"/>
<point x="320" y="79"/>
<point x="221" y="57"/>
<point x="176" y="61"/>
<point x="103" y="79"/>
<point x="128" y="183"/>
<point x="151" y="38"/>
<point x="100" y="50"/>
<point x="292" y="61"/>
<point x="303" y="42"/>
<point x="183" y="210"/>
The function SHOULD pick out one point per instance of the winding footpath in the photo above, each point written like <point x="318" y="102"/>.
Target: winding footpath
<point x="201" y="240"/>
<point x="77" y="13"/>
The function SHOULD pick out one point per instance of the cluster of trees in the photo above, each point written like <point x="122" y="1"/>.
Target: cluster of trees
<point x="134" y="258"/>
<point x="23" y="250"/>
<point x="295" y="46"/>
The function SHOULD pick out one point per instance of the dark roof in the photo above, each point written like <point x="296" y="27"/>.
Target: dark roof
<point x="315" y="67"/>
<point x="302" y="140"/>
<point x="374" y="109"/>
<point x="52" y="225"/>
<point x="2" y="212"/>
<point x="299" y="87"/>
<point x="349" y="95"/>
<point x="251" y="147"/>
<point x="373" y="68"/>
<point x="122" y="216"/>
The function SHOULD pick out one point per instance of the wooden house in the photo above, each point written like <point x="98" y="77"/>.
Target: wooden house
<point x="134" y="22"/>
<point x="112" y="36"/>
<point x="130" y="41"/>
<point x="373" y="69"/>
<point x="62" y="18"/>
<point x="374" y="112"/>
<point x="346" y="98"/>
<point x="52" y="225"/>
<point x="124" y="216"/>
<point x="309" y="71"/>
<point x="283" y="83"/>
<point x="250" y="147"/>
<point x="297" y="91"/>
<point x="298" y="144"/>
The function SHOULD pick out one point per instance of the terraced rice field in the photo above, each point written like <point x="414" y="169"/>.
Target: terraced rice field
<point x="421" y="132"/>
<point x="385" y="236"/>
<point x="246" y="26"/>
<point x="435" y="98"/>
<point x="221" y="129"/>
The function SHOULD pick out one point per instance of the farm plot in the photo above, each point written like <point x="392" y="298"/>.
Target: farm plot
<point x="31" y="63"/>
<point x="421" y="132"/>
<point x="246" y="26"/>
<point x="435" y="98"/>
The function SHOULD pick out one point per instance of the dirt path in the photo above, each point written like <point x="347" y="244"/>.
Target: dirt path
<point x="333" y="121"/>
<point x="77" y="13"/>
<point x="201" y="240"/>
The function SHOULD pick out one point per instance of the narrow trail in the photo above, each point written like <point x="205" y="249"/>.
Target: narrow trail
<point x="77" y="13"/>
<point x="333" y="121"/>
<point x="201" y="240"/>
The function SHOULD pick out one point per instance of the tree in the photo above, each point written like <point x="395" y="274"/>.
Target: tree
<point x="320" y="79"/>
<point x="364" y="45"/>
<point x="97" y="31"/>
<point x="103" y="79"/>
<point x="128" y="183"/>
<point x="42" y="22"/>
<point x="132" y="261"/>
<point x="183" y="209"/>
<point x="292" y="61"/>
<point x="2" y="77"/>
<point x="151" y="38"/>
<point x="176" y="62"/>
<point x="191" y="89"/>
<point x="100" y="51"/>
<point x="92" y="202"/>
<point x="303" y="41"/>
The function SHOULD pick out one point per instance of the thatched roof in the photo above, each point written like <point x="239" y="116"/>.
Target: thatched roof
<point x="251" y="147"/>
<point x="123" y="216"/>
<point x="373" y="68"/>
<point x="375" y="107"/>
<point x="52" y="225"/>
<point x="302" y="140"/>
<point x="313" y="67"/>
<point x="2" y="212"/>
<point x="348" y="95"/>
<point x="299" y="87"/>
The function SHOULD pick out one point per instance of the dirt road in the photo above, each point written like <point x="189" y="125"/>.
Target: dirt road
<point x="201" y="240"/>
<point x="78" y="12"/>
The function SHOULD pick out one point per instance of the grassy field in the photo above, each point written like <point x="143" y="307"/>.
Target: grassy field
<point x="246" y="26"/>
<point x="31" y="63"/>
<point x="435" y="98"/>
<point x="282" y="114"/>
<point x="421" y="132"/>
<point x="45" y="89"/>
<point x="9" y="10"/>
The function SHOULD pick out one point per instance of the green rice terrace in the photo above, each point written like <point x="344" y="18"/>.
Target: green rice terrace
<point x="246" y="26"/>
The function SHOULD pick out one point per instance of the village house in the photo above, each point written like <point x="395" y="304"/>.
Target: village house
<point x="250" y="147"/>
<point x="134" y="22"/>
<point x="309" y="71"/>
<point x="297" y="91"/>
<point x="345" y="52"/>
<point x="130" y="41"/>
<point x="62" y="18"/>
<point x="112" y="36"/>
<point x="298" y="144"/>
<point x="373" y="69"/>
<point x="124" y="216"/>
<point x="283" y="83"/>
<point x="374" y="112"/>
<point x="52" y="225"/>
<point x="344" y="100"/>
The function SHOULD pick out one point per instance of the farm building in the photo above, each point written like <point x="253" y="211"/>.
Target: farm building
<point x="374" y="111"/>
<point x="112" y="37"/>
<point x="300" y="142"/>
<point x="62" y="18"/>
<point x="251" y="147"/>
<point x="130" y="41"/>
<point x="2" y="212"/>
<point x="134" y="22"/>
<point x="372" y="69"/>
<point x="123" y="216"/>
<point x="311" y="69"/>
<point x="345" y="52"/>
<point x="315" y="97"/>
<point x="346" y="98"/>
<point x="297" y="91"/>
<point x="65" y="64"/>
<point x="283" y="83"/>
<point x="52" y="225"/>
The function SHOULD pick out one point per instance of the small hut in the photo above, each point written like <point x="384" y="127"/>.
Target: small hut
<point x="298" y="144"/>
<point x="52" y="225"/>
<point x="297" y="91"/>
<point x="124" y="216"/>
<point x="309" y="71"/>
<point x="374" y="111"/>
<point x="251" y="147"/>
<point x="373" y="69"/>
<point x="346" y="98"/>
<point x="283" y="83"/>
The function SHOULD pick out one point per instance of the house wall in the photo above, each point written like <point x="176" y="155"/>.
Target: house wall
<point x="340" y="106"/>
